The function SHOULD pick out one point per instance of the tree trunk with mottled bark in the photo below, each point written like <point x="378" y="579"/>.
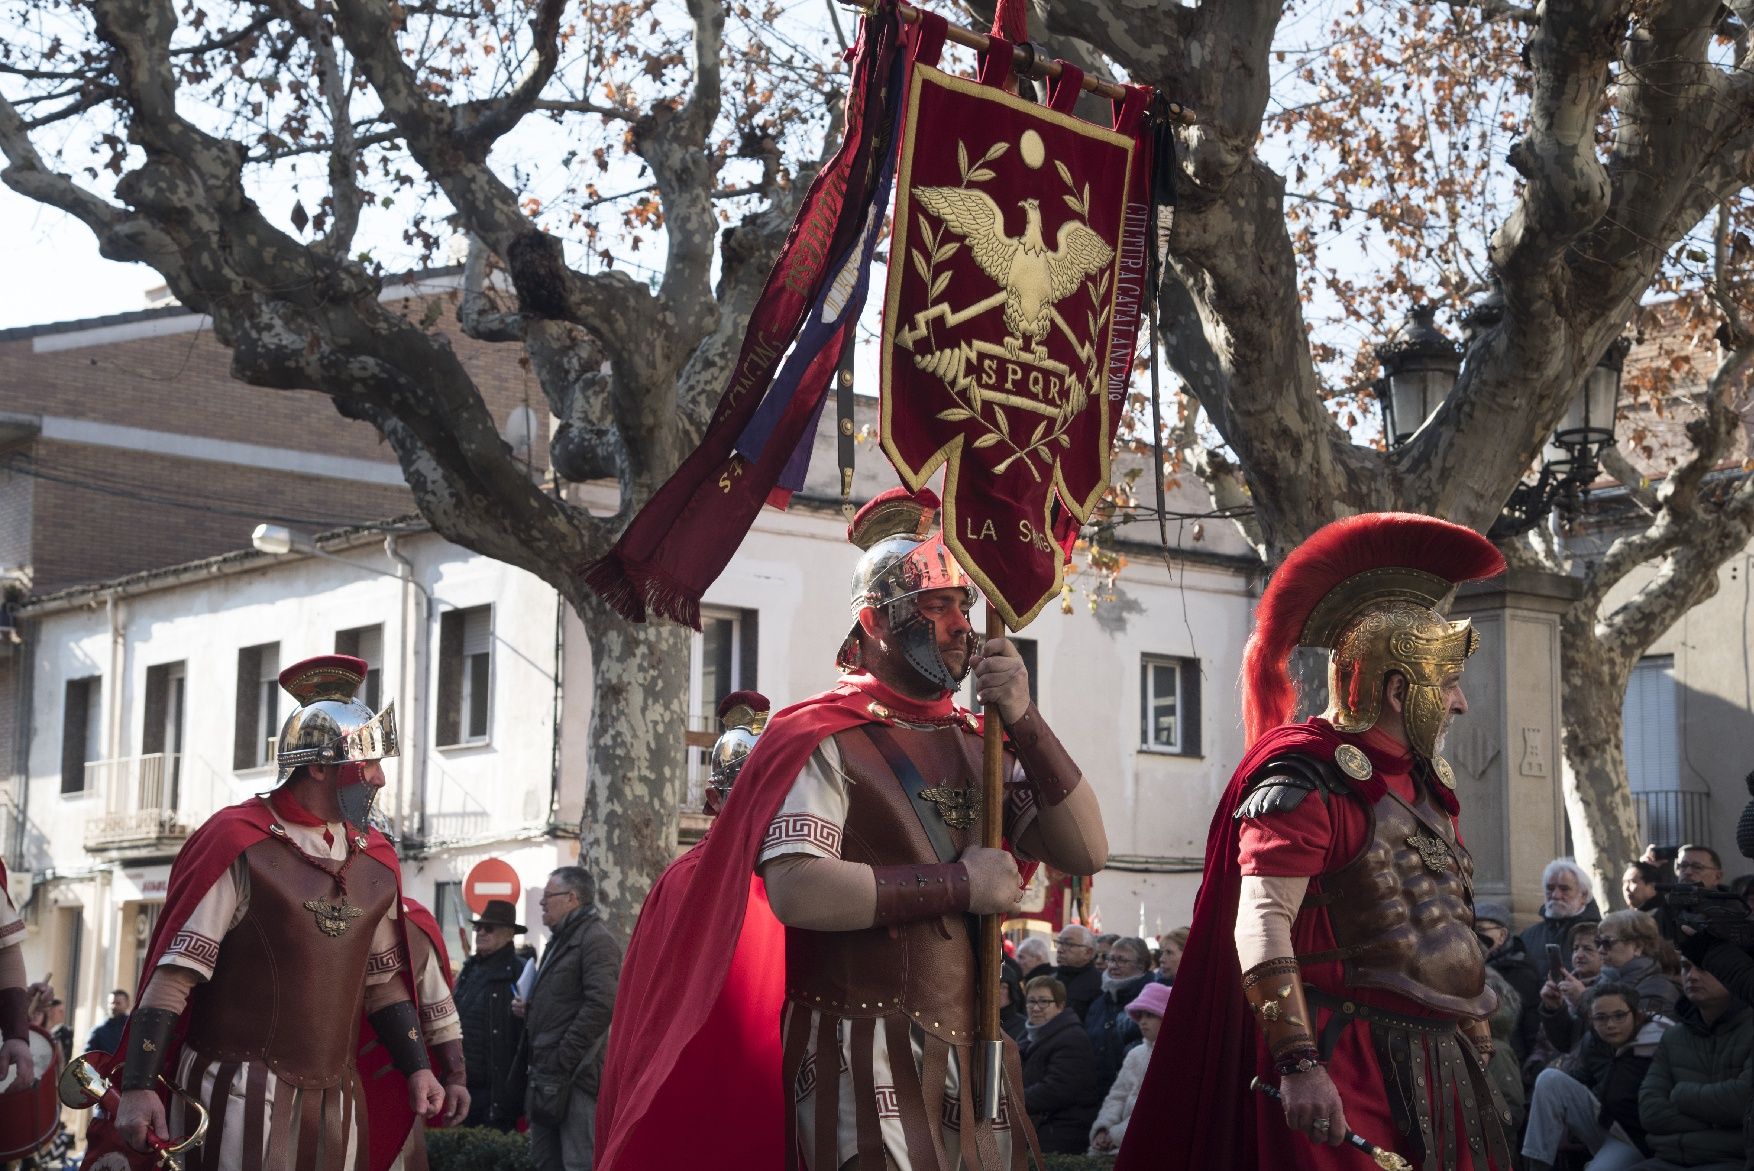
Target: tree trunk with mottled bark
<point x="637" y="756"/>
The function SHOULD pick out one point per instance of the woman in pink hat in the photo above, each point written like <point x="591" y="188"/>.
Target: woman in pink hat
<point x="1111" y="1121"/>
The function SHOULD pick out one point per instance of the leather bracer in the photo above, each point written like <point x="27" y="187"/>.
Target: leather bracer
<point x="906" y="893"/>
<point x="1274" y="991"/>
<point x="14" y="1014"/>
<point x="149" y="1037"/>
<point x="1050" y="768"/>
<point x="398" y="1027"/>
<point x="447" y="1063"/>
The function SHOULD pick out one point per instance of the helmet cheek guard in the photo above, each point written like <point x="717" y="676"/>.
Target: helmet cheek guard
<point x="917" y="637"/>
<point x="355" y="795"/>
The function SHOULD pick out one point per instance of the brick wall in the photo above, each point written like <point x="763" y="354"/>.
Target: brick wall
<point x="97" y="512"/>
<point x="181" y="382"/>
<point x="106" y="522"/>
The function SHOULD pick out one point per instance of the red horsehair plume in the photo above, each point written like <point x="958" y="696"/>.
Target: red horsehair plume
<point x="1336" y="552"/>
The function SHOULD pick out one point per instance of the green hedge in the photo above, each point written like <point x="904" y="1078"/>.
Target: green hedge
<point x="477" y="1148"/>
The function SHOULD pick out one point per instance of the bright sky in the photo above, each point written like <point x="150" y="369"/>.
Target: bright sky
<point x="56" y="273"/>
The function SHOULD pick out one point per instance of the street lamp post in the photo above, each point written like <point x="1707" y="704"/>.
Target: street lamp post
<point x="1420" y="365"/>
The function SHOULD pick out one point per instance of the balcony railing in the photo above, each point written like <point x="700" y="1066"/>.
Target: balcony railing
<point x="141" y="803"/>
<point x="1673" y="817"/>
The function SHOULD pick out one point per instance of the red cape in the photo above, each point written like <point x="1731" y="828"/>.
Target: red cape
<point x="386" y="1090"/>
<point x="706" y="950"/>
<point x="204" y="858"/>
<point x="1195" y="1110"/>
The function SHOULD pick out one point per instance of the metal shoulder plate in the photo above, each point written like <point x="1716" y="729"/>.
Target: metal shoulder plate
<point x="1280" y="785"/>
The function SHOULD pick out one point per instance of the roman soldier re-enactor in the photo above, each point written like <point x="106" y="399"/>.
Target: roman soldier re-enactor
<point x="860" y="809"/>
<point x="742" y="715"/>
<point x="1333" y="953"/>
<point x="281" y="922"/>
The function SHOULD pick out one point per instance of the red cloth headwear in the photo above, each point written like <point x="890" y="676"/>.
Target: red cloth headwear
<point x="1376" y="556"/>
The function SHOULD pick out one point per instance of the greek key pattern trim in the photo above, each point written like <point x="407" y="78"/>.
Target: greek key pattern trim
<point x="803" y="828"/>
<point x="431" y="1013"/>
<point x="953" y="1114"/>
<point x="195" y="946"/>
<point x="387" y="960"/>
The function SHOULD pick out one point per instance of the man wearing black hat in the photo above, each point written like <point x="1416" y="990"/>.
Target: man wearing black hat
<point x="483" y="993"/>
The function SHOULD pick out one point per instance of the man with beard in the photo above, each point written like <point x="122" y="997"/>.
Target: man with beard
<point x="860" y="808"/>
<point x="281" y="921"/>
<point x="1333" y="953"/>
<point x="1569" y="902"/>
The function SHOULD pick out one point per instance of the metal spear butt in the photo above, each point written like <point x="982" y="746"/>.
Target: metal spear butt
<point x="992" y="1061"/>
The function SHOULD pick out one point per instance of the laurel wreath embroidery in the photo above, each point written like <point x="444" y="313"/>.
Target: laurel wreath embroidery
<point x="964" y="391"/>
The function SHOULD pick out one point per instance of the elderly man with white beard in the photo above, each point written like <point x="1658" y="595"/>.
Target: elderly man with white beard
<point x="1569" y="902"/>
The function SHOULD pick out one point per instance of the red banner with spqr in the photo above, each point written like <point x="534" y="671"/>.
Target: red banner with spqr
<point x="1016" y="274"/>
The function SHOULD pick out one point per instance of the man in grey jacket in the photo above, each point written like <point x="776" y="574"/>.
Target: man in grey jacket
<point x="566" y="1022"/>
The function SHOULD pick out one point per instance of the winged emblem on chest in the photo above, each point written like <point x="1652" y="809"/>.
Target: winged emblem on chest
<point x="957" y="807"/>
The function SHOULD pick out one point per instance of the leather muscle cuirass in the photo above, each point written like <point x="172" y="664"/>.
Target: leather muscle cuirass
<point x="1402" y="911"/>
<point x="283" y="992"/>
<point x="925" y="969"/>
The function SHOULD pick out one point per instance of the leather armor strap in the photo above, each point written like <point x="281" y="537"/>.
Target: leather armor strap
<point x="906" y="893"/>
<point x="149" y="1038"/>
<point x="14" y="1014"/>
<point x="1050" y="768"/>
<point x="447" y="1063"/>
<point x="398" y="1027"/>
<point x="1274" y="991"/>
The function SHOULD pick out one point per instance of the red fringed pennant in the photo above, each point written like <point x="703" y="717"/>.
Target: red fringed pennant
<point x="1017" y="271"/>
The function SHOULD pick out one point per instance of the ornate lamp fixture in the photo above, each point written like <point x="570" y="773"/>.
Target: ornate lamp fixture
<point x="1420" y="365"/>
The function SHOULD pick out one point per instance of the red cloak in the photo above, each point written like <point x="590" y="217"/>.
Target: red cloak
<point x="693" y="1068"/>
<point x="1195" y="1108"/>
<point x="202" y="861"/>
<point x="386" y="1090"/>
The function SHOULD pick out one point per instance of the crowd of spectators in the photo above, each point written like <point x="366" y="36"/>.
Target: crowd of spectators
<point x="1086" y="1030"/>
<point x="1613" y="1052"/>
<point x="1638" y="1057"/>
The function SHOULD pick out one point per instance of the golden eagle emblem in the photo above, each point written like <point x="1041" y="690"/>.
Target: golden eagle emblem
<point x="1032" y="275"/>
<point x="957" y="807"/>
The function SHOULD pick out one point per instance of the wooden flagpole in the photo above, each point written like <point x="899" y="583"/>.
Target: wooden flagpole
<point x="991" y="955"/>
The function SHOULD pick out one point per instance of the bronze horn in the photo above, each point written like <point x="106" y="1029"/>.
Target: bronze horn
<point x="81" y="1087"/>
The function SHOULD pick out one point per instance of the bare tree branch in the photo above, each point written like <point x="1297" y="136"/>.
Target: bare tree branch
<point x="484" y="123"/>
